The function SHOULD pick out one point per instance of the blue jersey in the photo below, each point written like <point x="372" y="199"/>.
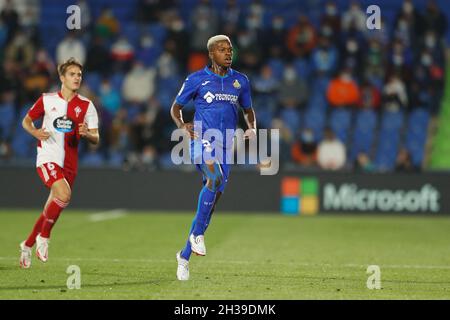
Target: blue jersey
<point x="216" y="98"/>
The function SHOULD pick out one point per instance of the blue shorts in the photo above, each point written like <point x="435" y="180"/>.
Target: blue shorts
<point x="196" y="146"/>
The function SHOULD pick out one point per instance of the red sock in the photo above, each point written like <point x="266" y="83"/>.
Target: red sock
<point x="37" y="228"/>
<point x="51" y="216"/>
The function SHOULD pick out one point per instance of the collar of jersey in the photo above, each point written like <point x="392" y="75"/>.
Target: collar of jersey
<point x="229" y="73"/>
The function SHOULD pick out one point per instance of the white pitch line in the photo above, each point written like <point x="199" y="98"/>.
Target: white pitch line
<point x="303" y="264"/>
<point x="107" y="215"/>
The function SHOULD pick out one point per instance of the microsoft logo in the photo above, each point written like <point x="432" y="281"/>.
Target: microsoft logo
<point x="299" y="196"/>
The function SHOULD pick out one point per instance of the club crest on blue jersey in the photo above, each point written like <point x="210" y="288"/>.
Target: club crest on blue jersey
<point x="63" y="124"/>
<point x="236" y="84"/>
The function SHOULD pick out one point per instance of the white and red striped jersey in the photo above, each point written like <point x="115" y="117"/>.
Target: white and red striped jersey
<point x="61" y="120"/>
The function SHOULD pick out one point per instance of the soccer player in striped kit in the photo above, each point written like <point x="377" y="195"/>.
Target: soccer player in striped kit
<point x="66" y="117"/>
<point x="217" y="91"/>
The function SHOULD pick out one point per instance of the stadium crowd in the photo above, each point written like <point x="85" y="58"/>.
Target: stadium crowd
<point x="298" y="62"/>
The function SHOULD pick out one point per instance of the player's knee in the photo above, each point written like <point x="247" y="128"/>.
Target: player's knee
<point x="215" y="182"/>
<point x="64" y="195"/>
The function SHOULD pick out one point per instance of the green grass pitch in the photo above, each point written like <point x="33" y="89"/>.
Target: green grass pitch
<point x="250" y="256"/>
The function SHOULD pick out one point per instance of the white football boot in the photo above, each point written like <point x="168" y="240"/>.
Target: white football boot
<point x="25" y="256"/>
<point x="183" y="268"/>
<point x="42" y="248"/>
<point x="198" y="244"/>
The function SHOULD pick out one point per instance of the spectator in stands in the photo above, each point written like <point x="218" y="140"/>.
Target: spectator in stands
<point x="151" y="11"/>
<point x="286" y="139"/>
<point x="232" y="13"/>
<point x="400" y="60"/>
<point x="265" y="87"/>
<point x="434" y="19"/>
<point x="147" y="132"/>
<point x="69" y="47"/>
<point x="412" y="17"/>
<point x="363" y="163"/>
<point x="304" y="150"/>
<point x="107" y="25"/>
<point x="370" y="97"/>
<point x="110" y="99"/>
<point x="343" y="91"/>
<point x="20" y="50"/>
<point x="44" y="63"/>
<point x="122" y="53"/>
<point x="177" y="35"/>
<point x="36" y="82"/>
<point x="374" y="65"/>
<point x="330" y="22"/>
<point x="302" y="37"/>
<point x="205" y="24"/>
<point x="139" y="83"/>
<point x="395" y="96"/>
<point x="331" y="153"/>
<point x="98" y="57"/>
<point x="86" y="16"/>
<point x="325" y="57"/>
<point x="354" y="17"/>
<point x="293" y="88"/>
<point x="403" y="162"/>
<point x="250" y="53"/>
<point x="352" y="55"/>
<point x="274" y="38"/>
<point x="10" y="18"/>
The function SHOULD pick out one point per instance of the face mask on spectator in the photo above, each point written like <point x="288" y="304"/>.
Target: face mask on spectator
<point x="177" y="25"/>
<point x="430" y="41"/>
<point x="331" y="10"/>
<point x="289" y="74"/>
<point x="426" y="59"/>
<point x="397" y="60"/>
<point x="352" y="46"/>
<point x="408" y="7"/>
<point x="278" y="24"/>
<point x="147" y="42"/>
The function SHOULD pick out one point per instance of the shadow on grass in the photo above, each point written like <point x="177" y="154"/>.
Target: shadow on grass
<point x="64" y="288"/>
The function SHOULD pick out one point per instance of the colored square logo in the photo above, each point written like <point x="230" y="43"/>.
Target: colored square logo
<point x="310" y="187"/>
<point x="309" y="205"/>
<point x="290" y="187"/>
<point x="300" y="196"/>
<point x="290" y="205"/>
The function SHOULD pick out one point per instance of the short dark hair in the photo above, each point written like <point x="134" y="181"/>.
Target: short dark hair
<point x="62" y="68"/>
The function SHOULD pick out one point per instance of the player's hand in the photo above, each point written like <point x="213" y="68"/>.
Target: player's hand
<point x="189" y="127"/>
<point x="41" y="134"/>
<point x="83" y="130"/>
<point x="250" y="134"/>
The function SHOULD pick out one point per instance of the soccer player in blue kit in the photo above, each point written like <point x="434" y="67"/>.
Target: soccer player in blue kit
<point x="217" y="91"/>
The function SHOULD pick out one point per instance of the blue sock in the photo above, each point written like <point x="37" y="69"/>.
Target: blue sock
<point x="186" y="252"/>
<point x="201" y="219"/>
<point x="205" y="204"/>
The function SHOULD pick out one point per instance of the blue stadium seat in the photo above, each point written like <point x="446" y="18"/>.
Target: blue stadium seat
<point x="317" y="100"/>
<point x="392" y="120"/>
<point x="7" y="120"/>
<point x="416" y="135"/>
<point x="388" y="144"/>
<point x="315" y="119"/>
<point x="340" y="122"/>
<point x="93" y="80"/>
<point x="277" y="67"/>
<point x="363" y="133"/>
<point x="291" y="118"/>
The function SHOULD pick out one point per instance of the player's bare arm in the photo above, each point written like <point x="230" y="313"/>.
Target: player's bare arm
<point x="177" y="116"/>
<point x="90" y="135"/>
<point x="250" y="119"/>
<point x="28" y="125"/>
